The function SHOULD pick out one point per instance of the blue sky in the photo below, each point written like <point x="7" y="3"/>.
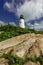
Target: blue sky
<point x="5" y="15"/>
<point x="10" y="11"/>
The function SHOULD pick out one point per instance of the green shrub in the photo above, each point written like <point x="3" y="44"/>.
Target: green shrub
<point x="12" y="31"/>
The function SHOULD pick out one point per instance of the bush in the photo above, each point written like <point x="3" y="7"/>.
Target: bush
<point x="12" y="31"/>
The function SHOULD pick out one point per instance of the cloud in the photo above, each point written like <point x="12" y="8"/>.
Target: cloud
<point x="31" y="9"/>
<point x="9" y="6"/>
<point x="36" y="26"/>
<point x="12" y="6"/>
<point x="12" y="23"/>
<point x="2" y="23"/>
<point x="29" y="25"/>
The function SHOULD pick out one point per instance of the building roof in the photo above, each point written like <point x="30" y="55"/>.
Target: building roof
<point x="21" y="17"/>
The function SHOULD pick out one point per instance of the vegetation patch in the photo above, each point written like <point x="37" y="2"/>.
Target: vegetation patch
<point x="14" y="60"/>
<point x="12" y="31"/>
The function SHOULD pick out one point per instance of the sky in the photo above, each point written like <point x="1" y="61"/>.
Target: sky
<point x="32" y="10"/>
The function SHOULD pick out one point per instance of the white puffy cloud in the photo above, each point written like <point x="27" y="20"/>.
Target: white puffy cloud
<point x="2" y="23"/>
<point x="9" y="6"/>
<point x="29" y="25"/>
<point x="31" y="10"/>
<point x="38" y="26"/>
<point x="35" y="26"/>
<point x="12" y="23"/>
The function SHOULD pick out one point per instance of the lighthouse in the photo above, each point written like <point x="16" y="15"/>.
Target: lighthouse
<point x="22" y="22"/>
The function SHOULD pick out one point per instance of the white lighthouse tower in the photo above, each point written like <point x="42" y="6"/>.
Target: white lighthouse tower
<point x="22" y="22"/>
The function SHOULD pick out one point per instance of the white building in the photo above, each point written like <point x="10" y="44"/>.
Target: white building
<point x="22" y="22"/>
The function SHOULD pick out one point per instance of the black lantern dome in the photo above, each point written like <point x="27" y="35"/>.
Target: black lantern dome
<point x="21" y="17"/>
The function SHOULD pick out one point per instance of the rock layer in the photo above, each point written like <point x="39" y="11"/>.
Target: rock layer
<point x="27" y="45"/>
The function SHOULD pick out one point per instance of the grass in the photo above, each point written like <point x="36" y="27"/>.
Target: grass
<point x="14" y="60"/>
<point x="12" y="31"/>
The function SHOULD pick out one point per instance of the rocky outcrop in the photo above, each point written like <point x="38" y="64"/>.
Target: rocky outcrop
<point x="19" y="44"/>
<point x="3" y="61"/>
<point x="32" y="63"/>
<point x="27" y="45"/>
<point x="36" y="49"/>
